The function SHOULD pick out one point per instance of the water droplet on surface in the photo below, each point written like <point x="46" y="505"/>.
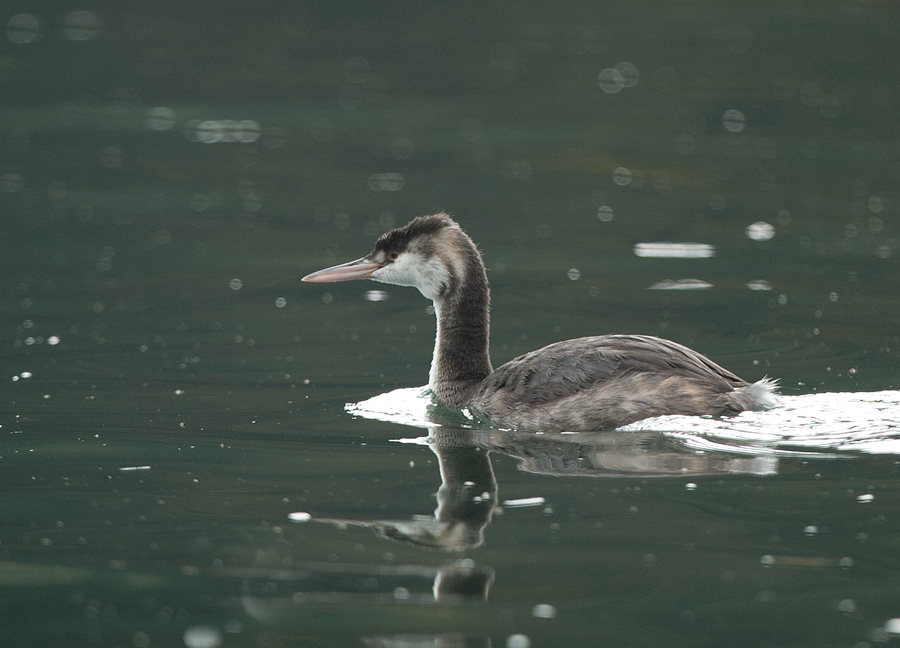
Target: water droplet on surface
<point x="281" y="302"/>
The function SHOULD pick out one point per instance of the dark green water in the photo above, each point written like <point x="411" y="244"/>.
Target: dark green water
<point x="172" y="393"/>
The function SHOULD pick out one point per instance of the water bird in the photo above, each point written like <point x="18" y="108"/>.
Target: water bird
<point x="586" y="384"/>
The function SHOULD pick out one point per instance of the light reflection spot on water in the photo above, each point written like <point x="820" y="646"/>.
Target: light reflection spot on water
<point x="610" y="80"/>
<point x="760" y="231"/>
<point x="376" y="295"/>
<point x="543" y="611"/>
<point x="202" y="637"/>
<point x="734" y="121"/>
<point x="681" y="284"/>
<point x="235" y="284"/>
<point x="281" y="302"/>
<point x="622" y="176"/>
<point x="518" y="641"/>
<point x="23" y="28"/>
<point x="605" y="213"/>
<point x="574" y="274"/>
<point x="160" y="118"/>
<point x="80" y="25"/>
<point x="667" y="250"/>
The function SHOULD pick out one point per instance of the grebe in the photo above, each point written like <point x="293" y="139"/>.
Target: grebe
<point x="590" y="383"/>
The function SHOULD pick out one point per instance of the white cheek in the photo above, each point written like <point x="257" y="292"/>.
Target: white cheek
<point x="429" y="276"/>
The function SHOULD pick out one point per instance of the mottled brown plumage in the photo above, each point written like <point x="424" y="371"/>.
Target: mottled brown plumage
<point x="589" y="383"/>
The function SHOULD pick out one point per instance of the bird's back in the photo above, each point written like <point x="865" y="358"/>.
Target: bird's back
<point x="603" y="382"/>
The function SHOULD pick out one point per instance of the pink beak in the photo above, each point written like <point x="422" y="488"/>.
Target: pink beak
<point x="359" y="269"/>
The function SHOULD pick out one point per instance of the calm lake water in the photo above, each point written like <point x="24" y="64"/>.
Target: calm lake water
<point x="197" y="450"/>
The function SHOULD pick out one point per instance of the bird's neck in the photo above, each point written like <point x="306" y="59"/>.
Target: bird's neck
<point x="461" y="359"/>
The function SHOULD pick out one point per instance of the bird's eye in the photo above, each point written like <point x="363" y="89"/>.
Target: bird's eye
<point x="393" y="255"/>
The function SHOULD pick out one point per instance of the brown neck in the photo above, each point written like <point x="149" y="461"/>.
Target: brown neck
<point x="461" y="359"/>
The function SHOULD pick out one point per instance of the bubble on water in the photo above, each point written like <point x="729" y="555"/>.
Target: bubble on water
<point x="401" y="594"/>
<point x="734" y="121"/>
<point x="691" y="486"/>
<point x="892" y="626"/>
<point x="866" y="499"/>
<point x="281" y="302"/>
<point x="846" y="562"/>
<point x="235" y="284"/>
<point x="376" y="295"/>
<point x="202" y="637"/>
<point x="811" y="530"/>
<point x="299" y="516"/>
<point x="574" y="274"/>
<point x="543" y="611"/>
<point x="53" y="340"/>
<point x="760" y="231"/>
<point x="767" y="561"/>
<point x="605" y="213"/>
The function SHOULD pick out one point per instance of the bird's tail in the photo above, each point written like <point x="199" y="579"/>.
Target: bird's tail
<point x="759" y="396"/>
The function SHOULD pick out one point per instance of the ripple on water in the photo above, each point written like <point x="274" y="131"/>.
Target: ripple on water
<point x="812" y="424"/>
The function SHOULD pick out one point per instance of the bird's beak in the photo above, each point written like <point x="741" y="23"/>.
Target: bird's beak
<point x="359" y="269"/>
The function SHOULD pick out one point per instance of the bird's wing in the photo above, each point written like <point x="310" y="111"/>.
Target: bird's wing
<point x="565" y="368"/>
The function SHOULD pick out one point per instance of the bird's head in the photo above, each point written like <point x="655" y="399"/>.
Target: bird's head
<point x="430" y="253"/>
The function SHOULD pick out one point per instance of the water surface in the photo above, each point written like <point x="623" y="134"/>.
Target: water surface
<point x="191" y="454"/>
